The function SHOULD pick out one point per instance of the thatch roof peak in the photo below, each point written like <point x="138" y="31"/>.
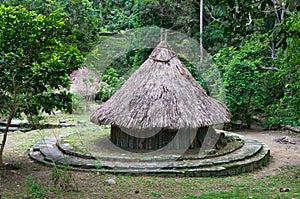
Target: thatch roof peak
<point x="162" y="52"/>
<point x="161" y="93"/>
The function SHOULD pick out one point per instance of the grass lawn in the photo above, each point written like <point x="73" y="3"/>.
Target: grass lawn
<point x="28" y="179"/>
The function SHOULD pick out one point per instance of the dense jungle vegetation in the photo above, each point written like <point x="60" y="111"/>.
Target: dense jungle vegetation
<point x="255" y="44"/>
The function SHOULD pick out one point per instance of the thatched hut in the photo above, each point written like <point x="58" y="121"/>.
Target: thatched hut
<point x="161" y="96"/>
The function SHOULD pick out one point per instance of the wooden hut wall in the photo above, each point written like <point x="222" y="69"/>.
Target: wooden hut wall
<point x="124" y="140"/>
<point x="159" y="140"/>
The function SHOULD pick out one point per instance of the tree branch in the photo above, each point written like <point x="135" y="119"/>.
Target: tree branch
<point x="250" y="20"/>
<point x="291" y="128"/>
<point x="26" y="82"/>
<point x="270" y="68"/>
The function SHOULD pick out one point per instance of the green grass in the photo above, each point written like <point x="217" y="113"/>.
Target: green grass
<point x="249" y="186"/>
<point x="79" y="136"/>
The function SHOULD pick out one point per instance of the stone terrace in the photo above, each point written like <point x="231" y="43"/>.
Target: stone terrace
<point x="252" y="155"/>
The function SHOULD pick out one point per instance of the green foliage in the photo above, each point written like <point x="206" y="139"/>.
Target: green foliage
<point x="108" y="86"/>
<point x="120" y="15"/>
<point x="287" y="109"/>
<point x="261" y="76"/>
<point x="232" y="21"/>
<point x="119" y="70"/>
<point x="239" y="17"/>
<point x="242" y="78"/>
<point x="34" y="64"/>
<point x="77" y="103"/>
<point x="274" y="26"/>
<point x="197" y="75"/>
<point x="215" y="36"/>
<point x="123" y="15"/>
<point x="34" y="189"/>
<point x="62" y="177"/>
<point x="81" y="19"/>
<point x="105" y="92"/>
<point x="131" y="61"/>
<point x="82" y="24"/>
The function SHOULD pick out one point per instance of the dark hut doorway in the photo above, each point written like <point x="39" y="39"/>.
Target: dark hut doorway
<point x="161" y="139"/>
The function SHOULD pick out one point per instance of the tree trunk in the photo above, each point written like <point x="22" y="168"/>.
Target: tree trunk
<point x="291" y="128"/>
<point x="248" y="112"/>
<point x="201" y="31"/>
<point x="11" y="115"/>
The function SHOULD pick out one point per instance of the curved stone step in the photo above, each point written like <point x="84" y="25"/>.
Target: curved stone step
<point x="224" y="170"/>
<point x="248" y="165"/>
<point x="51" y="152"/>
<point x="252" y="155"/>
<point x="161" y="155"/>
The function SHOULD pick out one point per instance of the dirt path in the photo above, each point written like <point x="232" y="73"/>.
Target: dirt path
<point x="281" y="154"/>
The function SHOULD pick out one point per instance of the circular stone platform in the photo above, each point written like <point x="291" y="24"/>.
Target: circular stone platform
<point x="102" y="156"/>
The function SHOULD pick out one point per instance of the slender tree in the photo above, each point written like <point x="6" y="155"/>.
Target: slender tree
<point x="201" y="30"/>
<point x="34" y="64"/>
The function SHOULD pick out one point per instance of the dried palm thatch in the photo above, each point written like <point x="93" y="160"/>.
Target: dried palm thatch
<point x="84" y="82"/>
<point x="161" y="93"/>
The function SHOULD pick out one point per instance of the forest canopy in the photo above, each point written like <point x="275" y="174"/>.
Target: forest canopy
<point x="254" y="44"/>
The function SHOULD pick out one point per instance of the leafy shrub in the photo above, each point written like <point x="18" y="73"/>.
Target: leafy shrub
<point x="242" y="76"/>
<point x="62" y="177"/>
<point x="34" y="189"/>
<point x="286" y="109"/>
<point x="109" y="84"/>
<point x="77" y="103"/>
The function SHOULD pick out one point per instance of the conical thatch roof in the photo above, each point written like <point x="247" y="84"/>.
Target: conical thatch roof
<point x="161" y="93"/>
